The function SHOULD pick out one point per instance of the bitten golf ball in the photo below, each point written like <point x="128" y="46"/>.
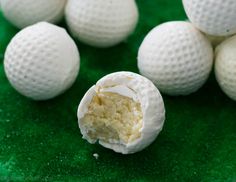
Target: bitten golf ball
<point x="123" y="112"/>
<point x="41" y="61"/>
<point x="214" y="17"/>
<point x="176" y="57"/>
<point x="101" y="23"/>
<point x="28" y="12"/>
<point x="225" y="66"/>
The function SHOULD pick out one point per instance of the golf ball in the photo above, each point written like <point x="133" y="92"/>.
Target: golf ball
<point x="101" y="23"/>
<point x="124" y="112"/>
<point x="28" y="12"/>
<point x="41" y="61"/>
<point x="176" y="57"/>
<point x="225" y="66"/>
<point x="214" y="17"/>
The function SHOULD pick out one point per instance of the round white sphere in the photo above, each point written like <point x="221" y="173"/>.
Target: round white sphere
<point x="225" y="66"/>
<point x="214" y="17"/>
<point x="124" y="112"/>
<point x="176" y="57"/>
<point x="22" y="13"/>
<point x="41" y="61"/>
<point x="101" y="23"/>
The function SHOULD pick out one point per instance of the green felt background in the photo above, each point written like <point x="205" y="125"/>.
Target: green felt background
<point x="41" y="140"/>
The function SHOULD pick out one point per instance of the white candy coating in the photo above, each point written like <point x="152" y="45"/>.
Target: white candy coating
<point x="42" y="61"/>
<point x="101" y="23"/>
<point x="176" y="57"/>
<point x="225" y="66"/>
<point x="22" y="13"/>
<point x="214" y="17"/>
<point x="138" y="88"/>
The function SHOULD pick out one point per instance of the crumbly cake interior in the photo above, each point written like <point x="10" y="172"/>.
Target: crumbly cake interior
<point x="113" y="118"/>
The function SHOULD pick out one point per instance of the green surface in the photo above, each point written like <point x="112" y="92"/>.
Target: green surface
<point x="41" y="140"/>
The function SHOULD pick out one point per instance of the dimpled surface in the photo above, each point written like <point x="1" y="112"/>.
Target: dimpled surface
<point x="101" y="23"/>
<point x="176" y="57"/>
<point x="215" y="17"/>
<point x="151" y="103"/>
<point x="27" y="12"/>
<point x="41" y="61"/>
<point x="225" y="67"/>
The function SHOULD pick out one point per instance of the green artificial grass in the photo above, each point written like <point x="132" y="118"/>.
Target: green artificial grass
<point x="40" y="141"/>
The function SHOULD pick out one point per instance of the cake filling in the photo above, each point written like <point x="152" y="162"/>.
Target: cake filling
<point x="113" y="118"/>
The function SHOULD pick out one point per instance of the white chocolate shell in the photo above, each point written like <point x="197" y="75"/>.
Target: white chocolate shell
<point x="225" y="67"/>
<point x="176" y="57"/>
<point x="140" y="90"/>
<point x="42" y="61"/>
<point x="28" y="12"/>
<point x="101" y="23"/>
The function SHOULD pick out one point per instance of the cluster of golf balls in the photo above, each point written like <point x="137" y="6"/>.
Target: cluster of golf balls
<point x="178" y="57"/>
<point x="42" y="60"/>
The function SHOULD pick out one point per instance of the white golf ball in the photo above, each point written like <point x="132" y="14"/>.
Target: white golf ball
<point x="176" y="57"/>
<point x="225" y="66"/>
<point x="101" y="23"/>
<point x="124" y="112"/>
<point x="41" y="61"/>
<point x="22" y="13"/>
<point x="214" y="17"/>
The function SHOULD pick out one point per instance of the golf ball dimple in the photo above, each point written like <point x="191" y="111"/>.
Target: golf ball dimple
<point x="28" y="12"/>
<point x="101" y="23"/>
<point x="176" y="57"/>
<point x="41" y="61"/>
<point x="214" y="17"/>
<point x="124" y="112"/>
<point x="225" y="66"/>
